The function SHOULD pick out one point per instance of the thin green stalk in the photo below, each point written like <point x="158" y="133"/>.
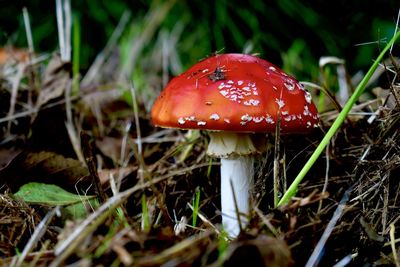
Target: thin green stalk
<point x="336" y="124"/>
<point x="209" y="167"/>
<point x="196" y="204"/>
<point x="145" y="215"/>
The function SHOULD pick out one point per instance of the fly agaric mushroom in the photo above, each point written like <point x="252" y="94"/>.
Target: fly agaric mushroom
<point x="234" y="96"/>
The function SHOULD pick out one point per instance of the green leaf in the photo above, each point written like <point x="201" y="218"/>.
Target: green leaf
<point x="49" y="194"/>
<point x="52" y="195"/>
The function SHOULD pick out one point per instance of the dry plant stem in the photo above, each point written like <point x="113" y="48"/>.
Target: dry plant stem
<point x="237" y="171"/>
<point x="205" y="220"/>
<point x="69" y="124"/>
<point x="138" y="132"/>
<point x="316" y="255"/>
<point x="87" y="149"/>
<point x="63" y="12"/>
<point x="276" y="163"/>
<point x="14" y="92"/>
<point x="28" y="30"/>
<point x="37" y="234"/>
<point x="326" y="176"/>
<point x="393" y="245"/>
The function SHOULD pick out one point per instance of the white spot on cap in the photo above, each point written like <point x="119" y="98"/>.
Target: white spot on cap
<point x="245" y="119"/>
<point x="181" y="121"/>
<point x="269" y="119"/>
<point x="205" y="70"/>
<point x="224" y="92"/>
<point x="272" y="68"/>
<point x="258" y="119"/>
<point x="227" y="120"/>
<point x="214" y="116"/>
<point x="306" y="111"/>
<point x="307" y="96"/>
<point x="280" y="102"/>
<point x="289" y="84"/>
<point x="251" y="102"/>
<point x="238" y="94"/>
<point x="201" y="123"/>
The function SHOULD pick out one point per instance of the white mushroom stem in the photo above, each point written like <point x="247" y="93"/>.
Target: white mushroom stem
<point x="236" y="184"/>
<point x="235" y="151"/>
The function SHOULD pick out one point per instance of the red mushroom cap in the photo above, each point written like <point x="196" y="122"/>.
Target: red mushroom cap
<point x="235" y="92"/>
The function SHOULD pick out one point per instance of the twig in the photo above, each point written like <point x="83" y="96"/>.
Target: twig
<point x="87" y="149"/>
<point x="37" y="234"/>
<point x="137" y="125"/>
<point x="63" y="13"/>
<point x="28" y="29"/>
<point x="395" y="30"/>
<point x="326" y="176"/>
<point x="69" y="124"/>
<point x="14" y="92"/>
<point x="317" y="253"/>
<point x="60" y="27"/>
<point x="276" y="162"/>
<point x="393" y="245"/>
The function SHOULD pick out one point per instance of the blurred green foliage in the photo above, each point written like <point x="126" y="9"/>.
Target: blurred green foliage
<point x="292" y="34"/>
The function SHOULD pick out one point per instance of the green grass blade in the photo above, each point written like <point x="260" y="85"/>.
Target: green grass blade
<point x="196" y="204"/>
<point x="145" y="215"/>
<point x="336" y="124"/>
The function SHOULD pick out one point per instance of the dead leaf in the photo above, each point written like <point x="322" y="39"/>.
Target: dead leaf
<point x="7" y="155"/>
<point x="45" y="167"/>
<point x="55" y="79"/>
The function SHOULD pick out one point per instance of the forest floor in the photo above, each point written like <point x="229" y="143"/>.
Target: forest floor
<point x="86" y="180"/>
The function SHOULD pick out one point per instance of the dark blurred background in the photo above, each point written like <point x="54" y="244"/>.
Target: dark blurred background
<point x="291" y="34"/>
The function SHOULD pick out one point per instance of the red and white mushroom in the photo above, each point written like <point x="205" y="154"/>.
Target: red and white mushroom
<point x="233" y="96"/>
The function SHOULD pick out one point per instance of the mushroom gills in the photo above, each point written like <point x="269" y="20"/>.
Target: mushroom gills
<point x="230" y="144"/>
